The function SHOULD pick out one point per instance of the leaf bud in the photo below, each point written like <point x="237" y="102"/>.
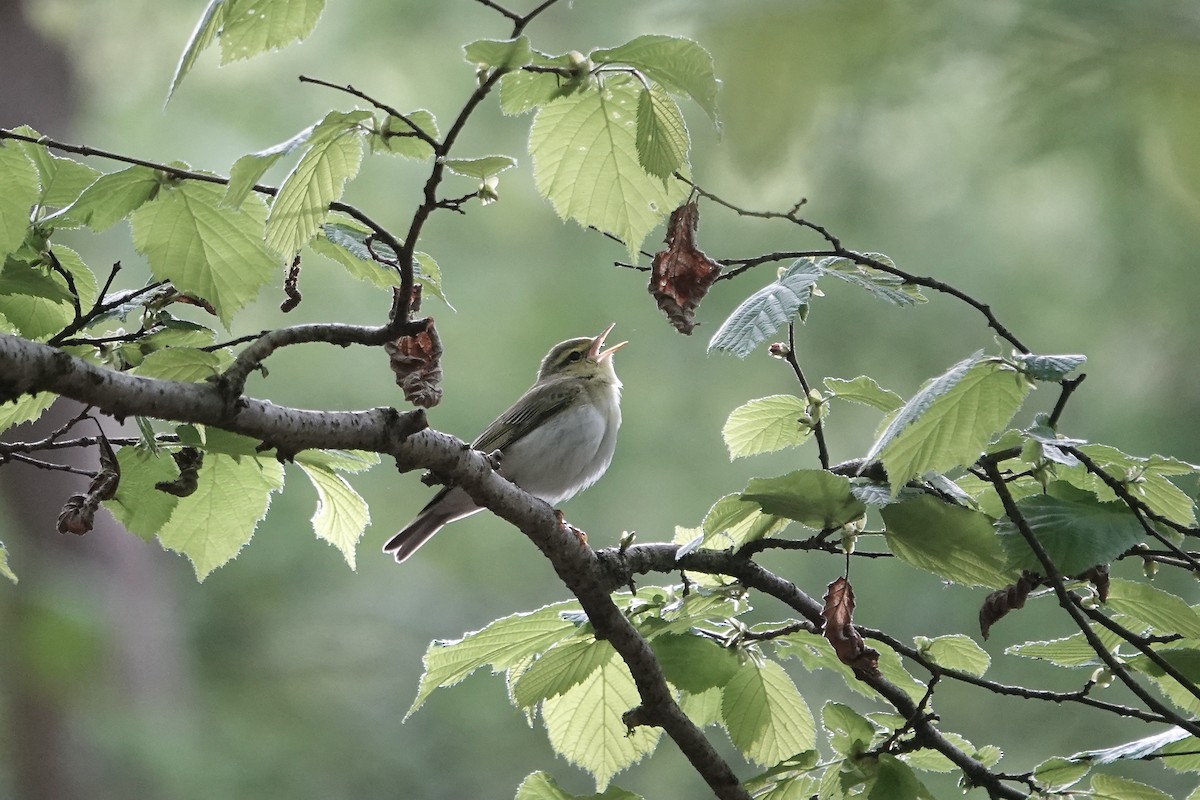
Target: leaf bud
<point x="779" y="350"/>
<point x="1149" y="568"/>
<point x="1102" y="677"/>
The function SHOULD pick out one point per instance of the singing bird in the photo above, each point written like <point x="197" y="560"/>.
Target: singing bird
<point x="555" y="441"/>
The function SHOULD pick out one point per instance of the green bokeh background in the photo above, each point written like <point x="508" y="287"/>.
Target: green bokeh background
<point x="1042" y="157"/>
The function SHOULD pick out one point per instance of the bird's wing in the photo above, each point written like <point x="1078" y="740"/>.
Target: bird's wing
<point x="535" y="407"/>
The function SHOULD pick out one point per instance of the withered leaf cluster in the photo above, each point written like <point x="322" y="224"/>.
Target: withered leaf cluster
<point x="417" y="362"/>
<point x="681" y="274"/>
<point x="839" y="631"/>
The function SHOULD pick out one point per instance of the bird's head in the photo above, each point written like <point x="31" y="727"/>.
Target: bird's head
<point x="582" y="358"/>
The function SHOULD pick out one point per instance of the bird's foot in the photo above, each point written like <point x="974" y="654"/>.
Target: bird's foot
<point x="569" y="528"/>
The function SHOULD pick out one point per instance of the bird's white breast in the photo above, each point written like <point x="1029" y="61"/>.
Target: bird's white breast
<point x="566" y="455"/>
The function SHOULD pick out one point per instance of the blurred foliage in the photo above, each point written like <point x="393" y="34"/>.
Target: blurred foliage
<point x="1044" y="157"/>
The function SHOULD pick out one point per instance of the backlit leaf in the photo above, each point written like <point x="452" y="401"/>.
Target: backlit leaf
<point x="951" y="541"/>
<point x="251" y="27"/>
<point x="766" y="311"/>
<point x="765" y="716"/>
<point x="813" y="497"/>
<point x="766" y="425"/>
<point x="681" y="65"/>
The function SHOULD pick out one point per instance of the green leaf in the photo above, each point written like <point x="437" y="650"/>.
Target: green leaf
<point x="585" y="163"/>
<point x="480" y="168"/>
<point x="499" y="54"/>
<point x="1077" y="531"/>
<point x="681" y="65"/>
<point x="181" y="364"/>
<point x="398" y="136"/>
<point x="949" y="422"/>
<point x="1146" y="478"/>
<point x="251" y="27"/>
<point x="1110" y="787"/>
<point x="248" y="170"/>
<point x="1048" y="368"/>
<point x="346" y="244"/>
<point x="204" y="249"/>
<point x="767" y="310"/>
<point x="883" y="285"/>
<point x="36" y="300"/>
<point x="111" y="198"/>
<point x="61" y="179"/>
<point x="1162" y="611"/>
<point x="850" y="733"/>
<point x="213" y="524"/>
<point x="138" y="506"/>
<point x="522" y="91"/>
<point x="19" y="190"/>
<point x="1060" y="773"/>
<point x="694" y="663"/>
<point x="318" y="179"/>
<point x="894" y="780"/>
<point x="954" y="542"/>
<point x="732" y="521"/>
<point x="960" y="652"/>
<point x="1069" y="651"/>
<point x="766" y="425"/>
<point x="1144" y="747"/>
<point x="929" y="760"/>
<point x="499" y="645"/>
<point x="342" y="515"/>
<point x="585" y="723"/>
<point x="560" y="669"/>
<point x="25" y="409"/>
<point x="813" y="497"/>
<point x="206" y="31"/>
<point x="765" y="716"/>
<point x="540" y="786"/>
<point x="5" y="569"/>
<point x="864" y="391"/>
<point x="662" y="135"/>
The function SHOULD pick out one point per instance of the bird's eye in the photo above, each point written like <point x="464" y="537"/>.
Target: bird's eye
<point x="574" y="356"/>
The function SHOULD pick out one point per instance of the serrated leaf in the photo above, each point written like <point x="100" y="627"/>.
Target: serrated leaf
<point x="181" y="364"/>
<point x="1110" y="787"/>
<point x="248" y="170"/>
<point x="1060" y="773"/>
<point x="1048" y="368"/>
<point x="929" y="760"/>
<point x="949" y="422"/>
<point x="1069" y="651"/>
<point x="499" y="53"/>
<point x="111" y="198"/>
<point x="522" y="91"/>
<point x="318" y="179"/>
<point x="732" y="521"/>
<point x="342" y="515"/>
<point x="36" y="299"/>
<point x="813" y="497"/>
<point x="399" y="136"/>
<point x="765" y="716"/>
<point x="1076" y="530"/>
<point x="864" y="391"/>
<point x="540" y="786"/>
<point x="19" y="190"/>
<point x="213" y="524"/>
<point x="662" y="135"/>
<point x="960" y="652"/>
<point x="499" y="645"/>
<point x="681" y="65"/>
<point x="1137" y="749"/>
<point x="560" y="669"/>
<point x="205" y="32"/>
<point x="203" y="249"/>
<point x="882" y="285"/>
<point x="480" y="168"/>
<point x="694" y="664"/>
<point x="767" y="310"/>
<point x="346" y="244"/>
<point x="850" y="733"/>
<point x="5" y="569"/>
<point x="585" y="163"/>
<point x="766" y="425"/>
<point x="25" y="409"/>
<point x="585" y="726"/>
<point x="61" y="179"/>
<point x="1184" y="658"/>
<point x="956" y="543"/>
<point x="1162" y="611"/>
<point x="1146" y="478"/>
<point x="251" y="27"/>
<point x="137" y="505"/>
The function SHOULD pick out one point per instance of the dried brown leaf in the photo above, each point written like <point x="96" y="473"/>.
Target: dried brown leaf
<point x="839" y="631"/>
<point x="416" y="360"/>
<point x="1002" y="601"/>
<point x="681" y="274"/>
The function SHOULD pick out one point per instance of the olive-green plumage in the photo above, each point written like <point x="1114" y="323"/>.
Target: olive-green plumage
<point x="555" y="441"/>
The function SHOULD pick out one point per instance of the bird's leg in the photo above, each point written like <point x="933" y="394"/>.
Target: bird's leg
<point x="569" y="528"/>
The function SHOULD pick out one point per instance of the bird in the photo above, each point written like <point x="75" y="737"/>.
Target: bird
<point x="554" y="442"/>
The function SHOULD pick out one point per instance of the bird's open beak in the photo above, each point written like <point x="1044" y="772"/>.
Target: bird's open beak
<point x="597" y="343"/>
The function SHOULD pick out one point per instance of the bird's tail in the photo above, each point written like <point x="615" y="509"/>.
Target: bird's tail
<point x="418" y="532"/>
